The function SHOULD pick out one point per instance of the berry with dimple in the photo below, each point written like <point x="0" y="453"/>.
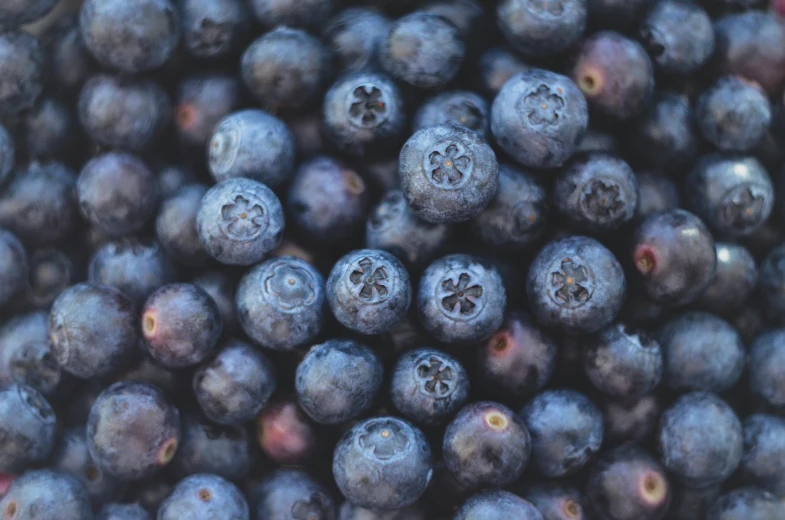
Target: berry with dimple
<point x="556" y="501"/>
<point x="204" y="497"/>
<point x="46" y="494"/>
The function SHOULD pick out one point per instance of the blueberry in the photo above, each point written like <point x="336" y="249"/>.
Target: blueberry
<point x="734" y="279"/>
<point x="497" y="504"/>
<point x="214" y="28"/>
<point x="50" y="129"/>
<point x="467" y="15"/>
<point x="117" y="193"/>
<point x="207" y="447"/>
<point x="494" y="67"/>
<point x="623" y="362"/>
<point x="27" y="427"/>
<point x="253" y="144"/>
<point x="751" y="503"/>
<point x="423" y="50"/>
<point x="123" y="512"/>
<point x="369" y="291"/>
<point x="132" y="431"/>
<point x="364" y="113"/>
<point x="619" y="15"/>
<point x="286" y="434"/>
<point x="734" y="195"/>
<point x="538" y="29"/>
<point x="221" y="287"/>
<point x="18" y="12"/>
<point x="518" y="360"/>
<point x="285" y="69"/>
<point x="382" y="463"/>
<point x="51" y="271"/>
<point x="457" y="107"/>
<point x="428" y="386"/>
<point x="234" y="386"/>
<point x="678" y="36"/>
<point x="272" y="13"/>
<point x="175" y="226"/>
<point x="355" y="36"/>
<point x="135" y="267"/>
<point x="181" y="325"/>
<point x="26" y="355"/>
<point x="327" y="199"/>
<point x="566" y="431"/>
<point x="539" y="117"/>
<point x="577" y="284"/>
<point x="765" y="362"/>
<point x="349" y="511"/>
<point x="655" y="193"/>
<point x="69" y="63"/>
<point x="7" y="153"/>
<point x="338" y="381"/>
<point x="130" y="37"/>
<point x="516" y="217"/>
<point x="22" y="72"/>
<point x="281" y="303"/>
<point x="628" y="484"/>
<point x="291" y="493"/>
<point x="673" y="254"/>
<point x="203" y="497"/>
<point x="614" y="73"/>
<point x="172" y="177"/>
<point x="92" y="330"/>
<point x="556" y="501"/>
<point x="631" y="420"/>
<point x="764" y="452"/>
<point x="461" y="299"/>
<point x="240" y="221"/>
<point x="700" y="439"/>
<point x="46" y="495"/>
<point x="201" y="102"/>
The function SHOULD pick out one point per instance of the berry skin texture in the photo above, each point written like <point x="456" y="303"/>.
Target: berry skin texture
<point x="456" y="107"/>
<point x="286" y="434"/>
<point x="289" y="493"/>
<point x="537" y="30"/>
<point x="132" y="431"/>
<point x="206" y="447"/>
<point x="596" y="193"/>
<point x="577" y="284"/>
<point x="130" y="37"/>
<point x="254" y="144"/>
<point x="566" y="431"/>
<point x="765" y="362"/>
<point x="734" y="279"/>
<point x="175" y="226"/>
<point x="448" y="174"/>
<point x="29" y="430"/>
<point x="214" y="28"/>
<point x="46" y="495"/>
<point x="427" y="386"/>
<point x="423" y="50"/>
<point x="22" y="72"/>
<point x="234" y="386"/>
<point x="92" y="330"/>
<point x="497" y="504"/>
<point x="281" y="303"/>
<point x="26" y="355"/>
<point x="201" y="102"/>
<point x="539" y="117"/>
<point x="673" y="254"/>
<point x="764" y="452"/>
<point x="355" y="36"/>
<point x="750" y="503"/>
<point x="123" y="512"/>
<point x="181" y="325"/>
<point x="382" y="463"/>
<point x="369" y="291"/>
<point x="14" y="266"/>
<point x="69" y="63"/>
<point x="272" y="13"/>
<point x="338" y="381"/>
<point x="556" y="501"/>
<point x="15" y="13"/>
<point x="700" y="439"/>
<point x="240" y="221"/>
<point x="7" y="154"/>
<point x="203" y="497"/>
<point x="461" y="299"/>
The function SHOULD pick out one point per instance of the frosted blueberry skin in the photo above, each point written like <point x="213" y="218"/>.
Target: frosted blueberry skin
<point x="382" y="463"/>
<point x="22" y="72"/>
<point x="734" y="279"/>
<point x="281" y="303"/>
<point x="539" y="118"/>
<point x="538" y="30"/>
<point x="26" y="354"/>
<point x="202" y="497"/>
<point x="214" y="28"/>
<point x="577" y="284"/>
<point x="369" y="291"/>
<point x="764" y="445"/>
<point x="47" y="494"/>
<point x="747" y="502"/>
<point x="14" y="266"/>
<point x="240" y="221"/>
<point x="497" y="504"/>
<point x="457" y="107"/>
<point x="28" y="439"/>
<point x="288" y="493"/>
<point x="355" y="36"/>
<point x="678" y="36"/>
<point x="765" y="361"/>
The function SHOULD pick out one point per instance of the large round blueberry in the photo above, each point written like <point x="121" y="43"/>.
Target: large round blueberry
<point x="46" y="494"/>
<point x="538" y="29"/>
<point x="678" y="36"/>
<point x="203" y="497"/>
<point x="291" y="493"/>
<point x="214" y="28"/>
<point x="497" y="504"/>
<point x="556" y="501"/>
<point x="28" y="429"/>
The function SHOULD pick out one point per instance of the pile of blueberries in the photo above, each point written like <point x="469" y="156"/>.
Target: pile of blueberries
<point x="392" y="260"/>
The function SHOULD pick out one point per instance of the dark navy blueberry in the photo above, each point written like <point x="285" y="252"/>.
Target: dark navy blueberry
<point x="150" y="493"/>
<point x="423" y="50"/>
<point x="369" y="291"/>
<point x="734" y="279"/>
<point x="355" y="36"/>
<point x="364" y="112"/>
<point x="285" y="69"/>
<point x="69" y="62"/>
<point x="132" y="431"/>
<point x="130" y="36"/>
<point x="497" y="504"/>
<point x="628" y="484"/>
<point x="538" y="29"/>
<point x="556" y="501"/>
<point x="201" y="102"/>
<point x="494" y="67"/>
<point x="240" y="221"/>
<point x="733" y="114"/>
<point x="254" y="144"/>
<point x="461" y="299"/>
<point x="181" y="325"/>
<point x="234" y="386"/>
<point x="517" y="215"/>
<point x="214" y="28"/>
<point x="382" y="463"/>
<point x="615" y="14"/>
<point x="623" y="362"/>
<point x="272" y="13"/>
<point x="733" y="195"/>
<point x="27" y="426"/>
<point x="700" y="439"/>
<point x="630" y="420"/>
<point x="457" y="107"/>
<point x="690" y="503"/>
<point x="281" y="303"/>
<point x="175" y="226"/>
<point x="771" y="285"/>
<point x="655" y="193"/>
<point x="678" y="36"/>
<point x="135" y="267"/>
<point x="286" y="434"/>
<point x="749" y="502"/>
<point x="428" y="386"/>
<point x="123" y="512"/>
<point x="15" y="13"/>
<point x="486" y="445"/>
<point x="221" y="287"/>
<point x="22" y="72"/>
<point x="207" y="447"/>
<point x="291" y="493"/>
<point x="46" y="495"/>
<point x="614" y="73"/>
<point x="92" y="330"/>
<point x="765" y="364"/>
<point x="26" y="355"/>
<point x="673" y="254"/>
<point x="50" y="129"/>
<point x="566" y="431"/>
<point x="204" y="497"/>
<point x="338" y="381"/>
<point x="577" y="284"/>
<point x="763" y="463"/>
<point x="538" y="118"/>
<point x="448" y="173"/>
<point x="7" y="153"/>
<point x="51" y="271"/>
